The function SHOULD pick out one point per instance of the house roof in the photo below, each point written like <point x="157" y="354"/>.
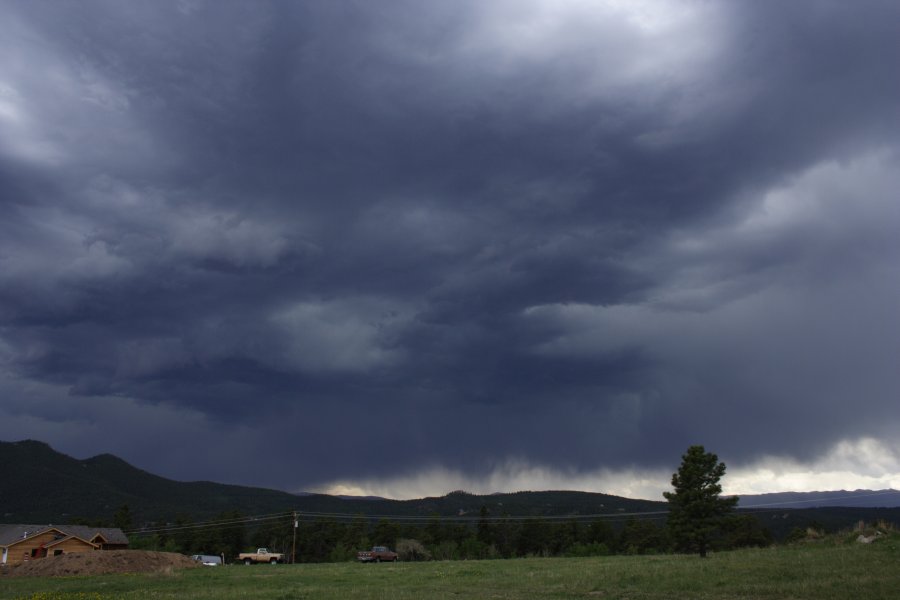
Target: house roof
<point x="110" y="535"/>
<point x="67" y="538"/>
<point x="14" y="533"/>
<point x="10" y="534"/>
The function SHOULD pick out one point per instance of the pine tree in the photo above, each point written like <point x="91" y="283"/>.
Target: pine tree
<point x="696" y="511"/>
<point x="485" y="534"/>
<point x="122" y="519"/>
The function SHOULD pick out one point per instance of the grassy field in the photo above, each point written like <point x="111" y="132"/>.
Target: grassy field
<point x="824" y="570"/>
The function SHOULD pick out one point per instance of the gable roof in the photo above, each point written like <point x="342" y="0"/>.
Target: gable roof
<point x="15" y="533"/>
<point x="110" y="535"/>
<point x="67" y="538"/>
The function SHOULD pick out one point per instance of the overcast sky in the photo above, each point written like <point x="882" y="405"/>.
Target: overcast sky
<point x="405" y="247"/>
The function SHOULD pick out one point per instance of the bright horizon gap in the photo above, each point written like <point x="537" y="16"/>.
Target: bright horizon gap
<point x="850" y="465"/>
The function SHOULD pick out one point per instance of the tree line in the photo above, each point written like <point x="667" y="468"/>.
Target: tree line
<point x="331" y="540"/>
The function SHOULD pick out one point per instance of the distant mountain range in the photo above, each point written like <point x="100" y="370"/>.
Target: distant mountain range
<point x="41" y="485"/>
<point x="856" y="498"/>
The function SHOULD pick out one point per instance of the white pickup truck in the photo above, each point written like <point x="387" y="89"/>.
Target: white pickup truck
<point x="262" y="555"/>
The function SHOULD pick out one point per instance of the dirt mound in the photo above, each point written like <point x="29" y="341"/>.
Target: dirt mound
<point x="102" y="562"/>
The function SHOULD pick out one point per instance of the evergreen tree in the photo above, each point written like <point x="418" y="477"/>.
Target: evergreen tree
<point x="506" y="535"/>
<point x="696" y="511"/>
<point x="356" y="536"/>
<point x="642" y="537"/>
<point x="122" y="519"/>
<point x="386" y="533"/>
<point x="746" y="530"/>
<point x="600" y="532"/>
<point x="534" y="539"/>
<point x="434" y="531"/>
<point x="485" y="533"/>
<point x="230" y="538"/>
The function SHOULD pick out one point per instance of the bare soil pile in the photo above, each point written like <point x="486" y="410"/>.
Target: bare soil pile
<point x="102" y="562"/>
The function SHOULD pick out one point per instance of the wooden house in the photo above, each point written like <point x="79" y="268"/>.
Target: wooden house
<point x="20" y="543"/>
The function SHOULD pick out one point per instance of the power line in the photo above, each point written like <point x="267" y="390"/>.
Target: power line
<point x="420" y="520"/>
<point x="185" y="526"/>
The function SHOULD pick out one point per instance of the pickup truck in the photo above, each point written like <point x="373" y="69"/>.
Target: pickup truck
<point x="377" y="554"/>
<point x="262" y="555"/>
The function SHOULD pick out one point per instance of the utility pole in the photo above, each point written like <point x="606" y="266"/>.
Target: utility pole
<point x="294" y="548"/>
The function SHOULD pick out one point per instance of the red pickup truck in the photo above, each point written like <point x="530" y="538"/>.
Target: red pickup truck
<point x="377" y="554"/>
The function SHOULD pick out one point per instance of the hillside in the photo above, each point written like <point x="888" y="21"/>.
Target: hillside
<point x="39" y="484"/>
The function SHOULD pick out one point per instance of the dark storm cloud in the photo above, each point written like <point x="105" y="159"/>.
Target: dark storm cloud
<point x="579" y="237"/>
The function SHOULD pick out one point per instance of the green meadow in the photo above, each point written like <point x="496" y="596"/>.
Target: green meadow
<point x="832" y="569"/>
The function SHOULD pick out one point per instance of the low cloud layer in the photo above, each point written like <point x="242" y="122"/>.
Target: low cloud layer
<point x="863" y="464"/>
<point x="413" y="247"/>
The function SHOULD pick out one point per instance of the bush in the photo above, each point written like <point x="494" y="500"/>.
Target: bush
<point x="341" y="553"/>
<point x="744" y="531"/>
<point x="580" y="550"/>
<point x="447" y="550"/>
<point x="412" y="550"/>
<point x="804" y="535"/>
<point x="472" y="549"/>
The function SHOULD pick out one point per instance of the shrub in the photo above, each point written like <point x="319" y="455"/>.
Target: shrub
<point x="412" y="550"/>
<point x="590" y="549"/>
<point x="447" y="550"/>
